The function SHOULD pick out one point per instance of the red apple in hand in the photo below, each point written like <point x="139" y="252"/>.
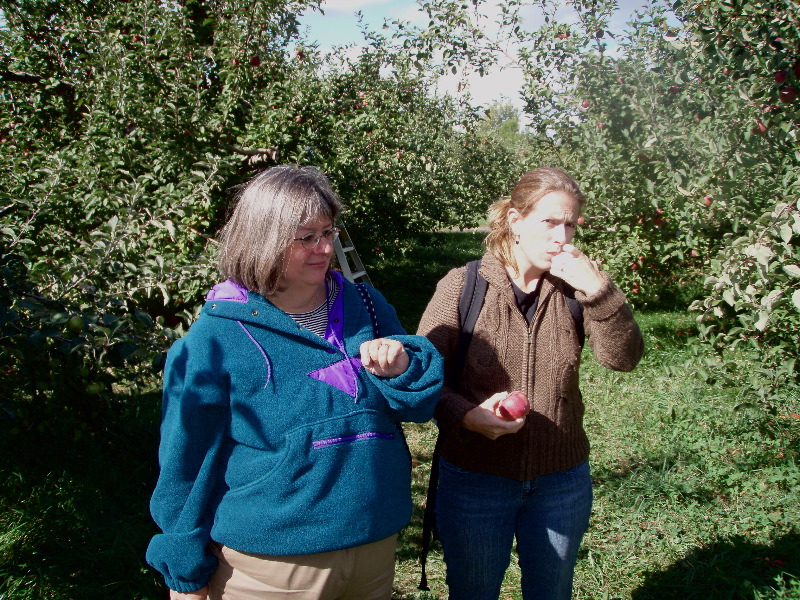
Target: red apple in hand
<point x="514" y="406"/>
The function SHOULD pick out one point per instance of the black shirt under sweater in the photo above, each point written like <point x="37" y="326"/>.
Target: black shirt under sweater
<point x="527" y="302"/>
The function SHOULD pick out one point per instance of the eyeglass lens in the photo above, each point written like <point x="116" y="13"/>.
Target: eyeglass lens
<point x="311" y="241"/>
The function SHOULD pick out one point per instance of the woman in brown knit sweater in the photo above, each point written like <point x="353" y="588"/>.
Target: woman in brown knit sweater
<point x="526" y="478"/>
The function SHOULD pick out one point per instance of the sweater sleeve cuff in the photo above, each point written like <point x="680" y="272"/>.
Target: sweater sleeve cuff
<point x="605" y="302"/>
<point x="451" y="410"/>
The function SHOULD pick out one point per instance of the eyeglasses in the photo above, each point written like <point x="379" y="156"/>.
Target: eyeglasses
<point x="310" y="241"/>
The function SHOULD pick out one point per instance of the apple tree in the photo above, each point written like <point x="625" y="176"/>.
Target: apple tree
<point x="124" y="127"/>
<point x="681" y="128"/>
<point x="751" y="312"/>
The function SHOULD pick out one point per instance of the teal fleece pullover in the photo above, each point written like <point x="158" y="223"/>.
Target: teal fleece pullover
<point x="277" y="441"/>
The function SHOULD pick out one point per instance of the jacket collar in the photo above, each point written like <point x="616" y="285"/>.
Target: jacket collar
<point x="232" y="301"/>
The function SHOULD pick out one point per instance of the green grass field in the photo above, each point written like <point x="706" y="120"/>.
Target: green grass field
<point x="697" y="491"/>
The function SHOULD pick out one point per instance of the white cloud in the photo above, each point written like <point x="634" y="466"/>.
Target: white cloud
<point x="498" y="85"/>
<point x="412" y="14"/>
<point x="350" y="6"/>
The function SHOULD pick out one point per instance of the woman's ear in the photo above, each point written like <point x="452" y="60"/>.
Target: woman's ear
<point x="513" y="217"/>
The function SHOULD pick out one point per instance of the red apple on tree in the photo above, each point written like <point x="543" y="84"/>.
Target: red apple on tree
<point x="707" y="200"/>
<point x="255" y="61"/>
<point x="514" y="406"/>
<point x="780" y="76"/>
<point x="788" y="94"/>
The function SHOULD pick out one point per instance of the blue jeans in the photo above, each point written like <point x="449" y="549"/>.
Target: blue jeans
<point x="478" y="516"/>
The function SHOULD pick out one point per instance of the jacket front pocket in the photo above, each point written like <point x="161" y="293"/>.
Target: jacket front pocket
<point x="348" y="477"/>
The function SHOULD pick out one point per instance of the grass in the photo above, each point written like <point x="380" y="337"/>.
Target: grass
<point x="693" y="498"/>
<point x="74" y="518"/>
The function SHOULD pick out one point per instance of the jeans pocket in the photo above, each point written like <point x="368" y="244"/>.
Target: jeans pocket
<point x="456" y="470"/>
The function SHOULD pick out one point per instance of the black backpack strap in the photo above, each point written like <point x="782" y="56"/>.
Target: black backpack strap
<point x="429" y="515"/>
<point x="469" y="306"/>
<point x="576" y="310"/>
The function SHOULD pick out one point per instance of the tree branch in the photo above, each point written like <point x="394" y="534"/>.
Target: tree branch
<point x="257" y="156"/>
<point x="20" y="77"/>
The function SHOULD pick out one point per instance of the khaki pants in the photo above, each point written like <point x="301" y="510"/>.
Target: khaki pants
<point x="361" y="573"/>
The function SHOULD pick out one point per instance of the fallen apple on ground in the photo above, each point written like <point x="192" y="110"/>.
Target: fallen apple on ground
<point x="514" y="406"/>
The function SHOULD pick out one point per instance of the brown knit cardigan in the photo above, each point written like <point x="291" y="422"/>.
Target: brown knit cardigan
<point x="541" y="360"/>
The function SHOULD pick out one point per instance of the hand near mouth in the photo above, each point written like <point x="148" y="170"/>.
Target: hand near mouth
<point x="575" y="268"/>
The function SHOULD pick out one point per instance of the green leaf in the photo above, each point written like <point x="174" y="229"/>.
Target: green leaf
<point x="770" y="299"/>
<point x="761" y="252"/>
<point x="763" y="319"/>
<point x="729" y="297"/>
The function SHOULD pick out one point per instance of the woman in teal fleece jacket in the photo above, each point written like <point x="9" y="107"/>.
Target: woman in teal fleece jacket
<point x="281" y="441"/>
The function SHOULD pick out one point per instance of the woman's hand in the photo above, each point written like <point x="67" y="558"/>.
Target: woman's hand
<point x="575" y="268"/>
<point x="483" y="419"/>
<point x="201" y="594"/>
<point x="384" y="357"/>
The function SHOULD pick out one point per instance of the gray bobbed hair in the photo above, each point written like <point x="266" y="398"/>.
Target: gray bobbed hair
<point x="269" y="209"/>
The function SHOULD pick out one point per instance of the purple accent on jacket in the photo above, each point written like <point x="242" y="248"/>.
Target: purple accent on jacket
<point x="228" y="290"/>
<point x="317" y="444"/>
<point x="344" y="373"/>
<point x="341" y="374"/>
<point x="260" y="349"/>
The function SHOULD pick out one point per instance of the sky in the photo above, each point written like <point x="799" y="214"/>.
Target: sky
<point x="339" y="26"/>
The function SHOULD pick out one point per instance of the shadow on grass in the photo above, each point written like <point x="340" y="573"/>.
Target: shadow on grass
<point x="725" y="570"/>
<point x="74" y="517"/>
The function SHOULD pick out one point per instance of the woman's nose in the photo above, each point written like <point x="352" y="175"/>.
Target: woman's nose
<point x="324" y="246"/>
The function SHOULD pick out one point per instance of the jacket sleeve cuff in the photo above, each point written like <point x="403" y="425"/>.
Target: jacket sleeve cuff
<point x="185" y="560"/>
<point x="415" y="393"/>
